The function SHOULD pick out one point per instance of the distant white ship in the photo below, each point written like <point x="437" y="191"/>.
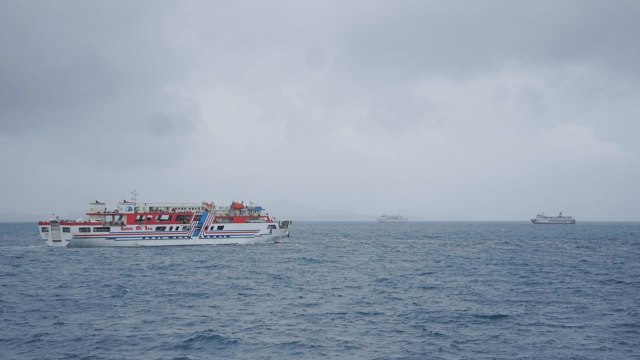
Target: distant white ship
<point x="392" y="218"/>
<point x="560" y="219"/>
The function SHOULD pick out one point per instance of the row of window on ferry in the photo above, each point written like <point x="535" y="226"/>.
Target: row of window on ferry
<point x="108" y="229"/>
<point x="164" y="217"/>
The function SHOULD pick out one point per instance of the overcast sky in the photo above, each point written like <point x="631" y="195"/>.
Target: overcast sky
<point x="439" y="110"/>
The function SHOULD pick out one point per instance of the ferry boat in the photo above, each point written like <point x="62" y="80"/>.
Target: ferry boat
<point x="560" y="219"/>
<point x="392" y="218"/>
<point x="156" y="224"/>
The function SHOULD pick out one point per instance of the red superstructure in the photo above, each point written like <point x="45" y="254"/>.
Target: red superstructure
<point x="165" y="214"/>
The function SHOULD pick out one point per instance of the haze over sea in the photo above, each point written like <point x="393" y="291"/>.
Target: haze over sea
<point x="421" y="290"/>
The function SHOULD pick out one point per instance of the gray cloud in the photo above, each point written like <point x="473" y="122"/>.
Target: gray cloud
<point x="440" y="110"/>
<point x="465" y="38"/>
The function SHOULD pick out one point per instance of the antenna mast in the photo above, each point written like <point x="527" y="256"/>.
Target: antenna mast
<point x="134" y="196"/>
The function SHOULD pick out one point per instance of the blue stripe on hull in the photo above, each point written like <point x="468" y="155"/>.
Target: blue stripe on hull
<point x="200" y="224"/>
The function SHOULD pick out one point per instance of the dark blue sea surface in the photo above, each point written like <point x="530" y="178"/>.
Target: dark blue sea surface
<point x="333" y="290"/>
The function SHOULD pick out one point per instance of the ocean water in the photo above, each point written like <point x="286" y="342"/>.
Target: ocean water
<point x="333" y="290"/>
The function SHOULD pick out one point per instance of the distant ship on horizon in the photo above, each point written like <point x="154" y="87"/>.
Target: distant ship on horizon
<point x="560" y="219"/>
<point x="392" y="218"/>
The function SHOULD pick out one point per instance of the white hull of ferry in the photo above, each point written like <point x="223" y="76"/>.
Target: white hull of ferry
<point x="553" y="221"/>
<point x="277" y="235"/>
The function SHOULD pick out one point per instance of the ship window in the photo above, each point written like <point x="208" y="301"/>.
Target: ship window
<point x="171" y="228"/>
<point x="44" y="229"/>
<point x="84" y="229"/>
<point x="271" y="227"/>
<point x="186" y="228"/>
<point x="197" y="218"/>
<point x="66" y="229"/>
<point x="101" y="229"/>
<point x="161" y="228"/>
<point x="183" y="218"/>
<point x="220" y="227"/>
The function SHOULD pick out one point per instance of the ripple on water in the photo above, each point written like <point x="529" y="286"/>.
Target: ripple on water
<point x="335" y="290"/>
<point x="207" y="340"/>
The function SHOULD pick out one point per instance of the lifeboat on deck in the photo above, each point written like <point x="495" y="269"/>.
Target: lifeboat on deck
<point x="237" y="205"/>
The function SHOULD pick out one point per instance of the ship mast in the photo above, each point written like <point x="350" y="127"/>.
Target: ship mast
<point x="134" y="196"/>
